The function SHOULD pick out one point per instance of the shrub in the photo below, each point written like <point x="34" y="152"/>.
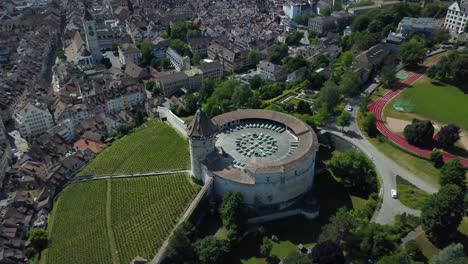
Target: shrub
<point x="436" y="158"/>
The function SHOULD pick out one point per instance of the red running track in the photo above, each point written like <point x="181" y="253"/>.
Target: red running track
<point x="378" y="108"/>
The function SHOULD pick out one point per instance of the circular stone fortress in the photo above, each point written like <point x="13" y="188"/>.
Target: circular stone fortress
<point x="268" y="156"/>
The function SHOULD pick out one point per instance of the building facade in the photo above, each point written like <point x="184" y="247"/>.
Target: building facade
<point x="456" y="18"/>
<point x="33" y="119"/>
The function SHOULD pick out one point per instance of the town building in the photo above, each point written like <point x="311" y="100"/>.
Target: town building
<point x="295" y="8"/>
<point x="92" y="43"/>
<point x="232" y="59"/>
<point x="424" y="26"/>
<point x="370" y="60"/>
<point x="33" y="118"/>
<point x="179" y="62"/>
<point x="199" y="46"/>
<point x="212" y="70"/>
<point x="337" y="22"/>
<point x="172" y="82"/>
<point x="129" y="53"/>
<point x="160" y="46"/>
<point x="271" y="71"/>
<point x="457" y="16"/>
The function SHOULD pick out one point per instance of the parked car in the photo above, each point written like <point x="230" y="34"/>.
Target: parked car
<point x="394" y="194"/>
<point x="349" y="108"/>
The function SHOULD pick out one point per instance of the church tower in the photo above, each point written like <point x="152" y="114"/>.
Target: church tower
<point x="92" y="44"/>
<point x="201" y="132"/>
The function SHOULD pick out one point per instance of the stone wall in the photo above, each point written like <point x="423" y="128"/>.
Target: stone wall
<point x="175" y="121"/>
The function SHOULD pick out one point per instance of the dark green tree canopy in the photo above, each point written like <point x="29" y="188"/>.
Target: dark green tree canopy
<point x="412" y="52"/>
<point x="328" y="252"/>
<point x="355" y="170"/>
<point x="233" y="211"/>
<point x="442" y="213"/>
<point x="419" y="132"/>
<point x="212" y="250"/>
<point x="448" y="135"/>
<point x="453" y="173"/>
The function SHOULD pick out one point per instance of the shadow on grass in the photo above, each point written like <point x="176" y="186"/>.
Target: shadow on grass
<point x="458" y="151"/>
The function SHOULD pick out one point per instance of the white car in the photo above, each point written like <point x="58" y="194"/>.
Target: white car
<point x="394" y="194"/>
<point x="349" y="108"/>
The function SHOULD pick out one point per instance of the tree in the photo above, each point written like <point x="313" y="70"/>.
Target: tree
<point x="256" y="81"/>
<point x="280" y="52"/>
<point x="292" y="64"/>
<point x="448" y="135"/>
<point x="369" y="124"/>
<point x="323" y="115"/>
<point x="344" y="119"/>
<point x="453" y="173"/>
<point x="241" y="95"/>
<point x="265" y="247"/>
<point x="399" y="257"/>
<point x="346" y="58"/>
<point x="294" y="38"/>
<point x="350" y="83"/>
<point x="355" y="170"/>
<point x="206" y="90"/>
<point x="233" y="210"/>
<point x="441" y="36"/>
<point x="388" y="76"/>
<point x="181" y="47"/>
<point x="38" y="238"/>
<point x="436" y="158"/>
<point x="180" y="249"/>
<point x="254" y="57"/>
<point x="340" y="228"/>
<point x="376" y="241"/>
<point x="296" y="258"/>
<point x="413" y="249"/>
<point x="327" y="252"/>
<point x="412" y="52"/>
<point x="330" y="94"/>
<point x="419" y="132"/>
<point x="442" y="213"/>
<point x="146" y="52"/>
<point x="453" y="253"/>
<point x="325" y="11"/>
<point x="303" y="108"/>
<point x="212" y="250"/>
<point x="195" y="59"/>
<point x="165" y="64"/>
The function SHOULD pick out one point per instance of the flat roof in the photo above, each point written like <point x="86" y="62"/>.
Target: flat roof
<point x="259" y="141"/>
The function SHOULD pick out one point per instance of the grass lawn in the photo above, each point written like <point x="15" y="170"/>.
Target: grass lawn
<point x="133" y="216"/>
<point x="463" y="228"/>
<point x="419" y="167"/>
<point x="428" y="249"/>
<point x="410" y="195"/>
<point x="436" y="101"/>
<point x="153" y="147"/>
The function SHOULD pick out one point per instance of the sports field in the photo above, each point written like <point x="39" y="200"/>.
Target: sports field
<point x="113" y="221"/>
<point x="439" y="102"/>
<point x="152" y="147"/>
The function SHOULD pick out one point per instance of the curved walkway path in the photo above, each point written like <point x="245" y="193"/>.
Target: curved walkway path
<point x="378" y="108"/>
<point x="95" y="178"/>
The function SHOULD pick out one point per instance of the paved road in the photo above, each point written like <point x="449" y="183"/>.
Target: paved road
<point x="386" y="168"/>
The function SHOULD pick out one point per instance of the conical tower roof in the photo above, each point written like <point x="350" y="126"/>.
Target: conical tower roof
<point x="201" y="126"/>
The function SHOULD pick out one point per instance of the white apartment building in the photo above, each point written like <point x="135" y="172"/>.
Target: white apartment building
<point x="456" y="18"/>
<point x="33" y="118"/>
